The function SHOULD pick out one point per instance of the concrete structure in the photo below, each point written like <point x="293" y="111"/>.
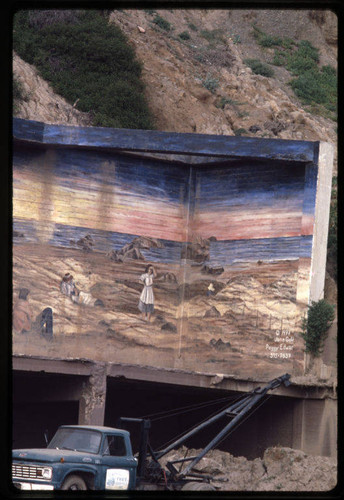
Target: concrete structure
<point x="248" y="216"/>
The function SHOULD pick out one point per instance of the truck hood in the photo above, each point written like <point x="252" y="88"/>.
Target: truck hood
<point x="53" y="455"/>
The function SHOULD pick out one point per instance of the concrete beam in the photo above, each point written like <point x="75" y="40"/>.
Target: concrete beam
<point x="164" y="142"/>
<point x="49" y="365"/>
<point x="168" y="376"/>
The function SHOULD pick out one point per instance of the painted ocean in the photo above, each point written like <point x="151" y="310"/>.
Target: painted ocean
<point x="222" y="253"/>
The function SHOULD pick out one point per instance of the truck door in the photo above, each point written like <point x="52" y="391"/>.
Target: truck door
<point x="120" y="465"/>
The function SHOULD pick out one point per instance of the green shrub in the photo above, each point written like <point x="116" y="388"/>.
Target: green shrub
<point x="236" y="39"/>
<point x="240" y="131"/>
<point x="162" y="23"/>
<point x="18" y="94"/>
<point x="332" y="242"/>
<point x="17" y="90"/>
<point x="270" y="41"/>
<point x="212" y="36"/>
<point x="280" y="58"/>
<point x="86" y="59"/>
<point x="265" y="40"/>
<point x="210" y="83"/>
<point x="304" y="58"/>
<point x="319" y="86"/>
<point x="316" y="87"/>
<point x="259" y="68"/>
<point x="184" y="35"/>
<point x="287" y="43"/>
<point x="192" y="27"/>
<point x="315" y="326"/>
<point x="226" y="100"/>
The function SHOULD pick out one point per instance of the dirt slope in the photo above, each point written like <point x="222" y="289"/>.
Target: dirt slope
<point x="176" y="71"/>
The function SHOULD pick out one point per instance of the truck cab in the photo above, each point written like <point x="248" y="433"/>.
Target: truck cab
<point x="79" y="457"/>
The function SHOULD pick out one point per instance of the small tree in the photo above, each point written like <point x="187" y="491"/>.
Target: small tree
<point x="315" y="326"/>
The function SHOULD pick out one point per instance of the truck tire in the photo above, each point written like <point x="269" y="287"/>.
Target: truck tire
<point x="74" y="483"/>
<point x="194" y="486"/>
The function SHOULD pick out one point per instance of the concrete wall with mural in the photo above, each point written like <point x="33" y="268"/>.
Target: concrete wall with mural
<point x="133" y="259"/>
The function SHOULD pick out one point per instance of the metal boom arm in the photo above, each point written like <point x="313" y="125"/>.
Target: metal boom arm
<point x="237" y="410"/>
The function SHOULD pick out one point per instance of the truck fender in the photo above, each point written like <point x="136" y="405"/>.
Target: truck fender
<point x="88" y="474"/>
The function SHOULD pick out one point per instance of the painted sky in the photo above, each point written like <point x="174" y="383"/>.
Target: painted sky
<point x="251" y="201"/>
<point x="100" y="192"/>
<point x="107" y="192"/>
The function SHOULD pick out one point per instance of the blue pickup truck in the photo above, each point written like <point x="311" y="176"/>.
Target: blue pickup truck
<point x="79" y="457"/>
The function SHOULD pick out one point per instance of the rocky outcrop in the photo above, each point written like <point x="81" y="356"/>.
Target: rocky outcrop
<point x="132" y="250"/>
<point x="125" y="253"/>
<point x="86" y="243"/>
<point x="212" y="269"/>
<point x="198" y="250"/>
<point x="146" y="243"/>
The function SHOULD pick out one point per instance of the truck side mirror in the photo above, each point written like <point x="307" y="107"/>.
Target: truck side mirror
<point x="46" y="436"/>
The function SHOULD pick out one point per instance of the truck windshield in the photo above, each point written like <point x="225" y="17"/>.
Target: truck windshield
<point x="76" y="439"/>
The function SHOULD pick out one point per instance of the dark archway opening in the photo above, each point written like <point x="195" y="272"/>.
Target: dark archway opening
<point x="40" y="402"/>
<point x="270" y="425"/>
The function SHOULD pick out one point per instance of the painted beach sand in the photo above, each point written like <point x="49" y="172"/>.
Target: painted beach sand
<point x="226" y="332"/>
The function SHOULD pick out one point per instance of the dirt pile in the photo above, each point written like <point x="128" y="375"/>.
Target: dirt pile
<point x="280" y="469"/>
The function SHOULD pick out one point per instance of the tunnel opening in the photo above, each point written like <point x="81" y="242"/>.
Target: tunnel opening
<point x="176" y="409"/>
<point x="42" y="402"/>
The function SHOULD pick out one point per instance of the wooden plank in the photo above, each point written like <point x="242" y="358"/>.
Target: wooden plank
<point x="166" y="142"/>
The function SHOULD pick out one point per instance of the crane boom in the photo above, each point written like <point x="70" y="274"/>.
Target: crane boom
<point x="237" y="411"/>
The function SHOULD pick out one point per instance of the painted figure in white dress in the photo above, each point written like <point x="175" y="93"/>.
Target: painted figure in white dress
<point x="146" y="302"/>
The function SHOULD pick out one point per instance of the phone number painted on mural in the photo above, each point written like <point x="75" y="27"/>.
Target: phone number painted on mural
<point x="285" y="344"/>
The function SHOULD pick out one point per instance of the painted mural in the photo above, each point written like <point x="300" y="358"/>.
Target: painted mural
<point x="144" y="261"/>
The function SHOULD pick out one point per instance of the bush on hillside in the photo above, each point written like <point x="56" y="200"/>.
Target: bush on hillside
<point x="185" y="35"/>
<point x="162" y="23"/>
<point x="259" y="68"/>
<point x="315" y="327"/>
<point x="313" y="85"/>
<point x="332" y="242"/>
<point x="86" y="59"/>
<point x="18" y="94"/>
<point x="319" y="86"/>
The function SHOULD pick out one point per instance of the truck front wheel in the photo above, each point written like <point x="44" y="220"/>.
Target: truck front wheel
<point x="74" y="483"/>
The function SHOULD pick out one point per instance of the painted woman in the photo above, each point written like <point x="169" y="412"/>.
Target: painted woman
<point x="146" y="302"/>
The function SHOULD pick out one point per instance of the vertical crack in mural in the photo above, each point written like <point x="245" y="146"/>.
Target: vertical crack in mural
<point x="187" y="210"/>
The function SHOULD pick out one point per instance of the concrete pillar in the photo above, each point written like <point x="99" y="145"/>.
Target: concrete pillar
<point x="322" y="213"/>
<point x="93" y="397"/>
<point x="315" y="426"/>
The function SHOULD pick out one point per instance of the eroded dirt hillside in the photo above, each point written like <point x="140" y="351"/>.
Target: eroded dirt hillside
<point x="178" y="73"/>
